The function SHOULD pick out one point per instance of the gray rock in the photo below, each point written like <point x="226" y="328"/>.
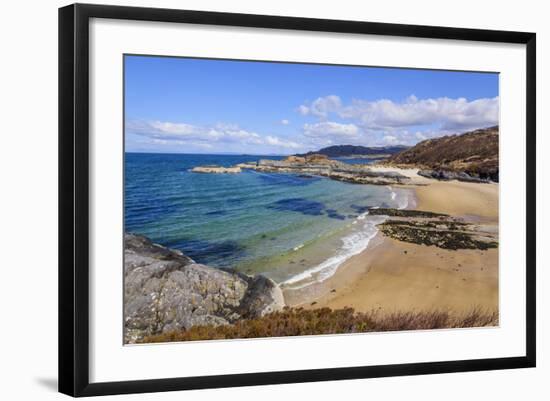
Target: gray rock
<point x="263" y="297"/>
<point x="446" y="175"/>
<point x="332" y="169"/>
<point x="164" y="290"/>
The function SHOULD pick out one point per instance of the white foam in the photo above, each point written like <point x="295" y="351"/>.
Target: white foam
<point x="352" y="244"/>
<point x="393" y="194"/>
<point x="400" y="196"/>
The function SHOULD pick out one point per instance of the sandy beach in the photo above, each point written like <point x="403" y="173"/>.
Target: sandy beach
<point x="391" y="275"/>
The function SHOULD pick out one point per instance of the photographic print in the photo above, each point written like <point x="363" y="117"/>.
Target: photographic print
<point x="274" y="199"/>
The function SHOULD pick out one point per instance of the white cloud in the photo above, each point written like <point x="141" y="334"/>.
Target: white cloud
<point x="225" y="135"/>
<point x="276" y="141"/>
<point x="359" y="122"/>
<point x="391" y="140"/>
<point x="164" y="142"/>
<point x="321" y="107"/>
<point x="172" y="128"/>
<point x="303" y="110"/>
<point x="447" y="113"/>
<point x="329" y="129"/>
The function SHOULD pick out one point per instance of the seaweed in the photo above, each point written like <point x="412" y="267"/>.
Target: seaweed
<point x="424" y="233"/>
<point x="404" y="213"/>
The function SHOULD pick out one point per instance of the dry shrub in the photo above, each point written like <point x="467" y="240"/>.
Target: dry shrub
<point x="299" y="321"/>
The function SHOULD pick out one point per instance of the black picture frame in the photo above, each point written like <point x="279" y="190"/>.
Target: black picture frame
<point x="74" y="198"/>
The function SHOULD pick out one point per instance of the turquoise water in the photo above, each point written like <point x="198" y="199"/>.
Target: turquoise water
<point x="293" y="228"/>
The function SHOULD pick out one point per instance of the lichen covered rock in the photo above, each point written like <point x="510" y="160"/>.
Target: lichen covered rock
<point x="165" y="290"/>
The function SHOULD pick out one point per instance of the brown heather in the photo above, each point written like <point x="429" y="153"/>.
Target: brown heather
<point x="299" y="321"/>
<point x="475" y="153"/>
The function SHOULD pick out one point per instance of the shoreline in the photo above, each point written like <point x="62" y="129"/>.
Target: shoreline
<point x="391" y="275"/>
<point x="300" y="282"/>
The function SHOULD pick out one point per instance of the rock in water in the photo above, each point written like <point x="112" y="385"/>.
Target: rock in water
<point x="216" y="170"/>
<point x="164" y="290"/>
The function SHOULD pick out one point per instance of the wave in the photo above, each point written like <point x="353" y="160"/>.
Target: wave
<point x="400" y="197"/>
<point x="352" y="244"/>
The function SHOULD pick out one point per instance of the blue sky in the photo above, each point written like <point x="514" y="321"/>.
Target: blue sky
<point x="181" y="105"/>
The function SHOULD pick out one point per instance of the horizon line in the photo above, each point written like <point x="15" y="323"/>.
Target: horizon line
<point x="265" y="154"/>
<point x="210" y="154"/>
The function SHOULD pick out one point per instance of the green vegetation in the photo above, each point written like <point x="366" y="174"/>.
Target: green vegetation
<point x="299" y="321"/>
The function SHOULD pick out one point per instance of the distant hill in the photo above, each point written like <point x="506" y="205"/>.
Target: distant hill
<point x="474" y="153"/>
<point x="352" y="150"/>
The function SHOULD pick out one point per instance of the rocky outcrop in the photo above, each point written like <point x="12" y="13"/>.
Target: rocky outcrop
<point x="164" y="290"/>
<point x="436" y="229"/>
<point x="320" y="165"/>
<point x="318" y="158"/>
<point x="405" y="213"/>
<point x="472" y="156"/>
<point x="364" y="175"/>
<point x="295" y="159"/>
<point x="216" y="169"/>
<point x="446" y="175"/>
<point x="315" y="164"/>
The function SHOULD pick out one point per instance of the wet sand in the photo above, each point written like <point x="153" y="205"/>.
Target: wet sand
<point x="397" y="276"/>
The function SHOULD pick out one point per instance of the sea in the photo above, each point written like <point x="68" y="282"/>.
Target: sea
<point x="296" y="229"/>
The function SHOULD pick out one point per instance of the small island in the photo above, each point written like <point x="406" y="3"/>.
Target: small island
<point x="216" y="170"/>
<point x="315" y="164"/>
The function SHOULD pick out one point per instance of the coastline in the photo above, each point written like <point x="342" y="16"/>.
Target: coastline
<point x="312" y="280"/>
<point x="391" y="275"/>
